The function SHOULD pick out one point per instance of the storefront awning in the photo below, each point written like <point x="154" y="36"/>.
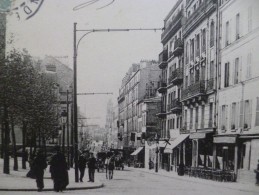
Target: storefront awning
<point x="175" y="143"/>
<point x="136" y="151"/>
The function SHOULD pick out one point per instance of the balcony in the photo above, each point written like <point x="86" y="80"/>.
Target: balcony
<point x="210" y="84"/>
<point x="195" y="90"/>
<point x="162" y="113"/>
<point x="162" y="87"/>
<point x="178" y="47"/>
<point x="163" y="57"/>
<point x="204" y="9"/>
<point x="176" y="106"/>
<point x="176" y="76"/>
<point x="172" y="28"/>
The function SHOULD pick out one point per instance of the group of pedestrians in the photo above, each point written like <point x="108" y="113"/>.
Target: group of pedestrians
<point x="58" y="170"/>
<point x="91" y="164"/>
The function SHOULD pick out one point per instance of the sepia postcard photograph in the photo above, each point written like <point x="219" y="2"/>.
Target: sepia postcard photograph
<point x="112" y="97"/>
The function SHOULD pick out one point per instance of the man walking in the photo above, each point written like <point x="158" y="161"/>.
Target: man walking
<point x="38" y="166"/>
<point x="82" y="166"/>
<point x="58" y="170"/>
<point x="91" y="167"/>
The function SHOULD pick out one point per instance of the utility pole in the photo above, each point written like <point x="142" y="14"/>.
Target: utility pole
<point x="68" y="149"/>
<point x="75" y="108"/>
<point x="76" y="44"/>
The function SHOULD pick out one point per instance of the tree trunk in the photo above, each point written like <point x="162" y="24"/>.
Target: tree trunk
<point x="15" y="166"/>
<point x="24" y="156"/>
<point x="2" y="140"/>
<point x="6" y="141"/>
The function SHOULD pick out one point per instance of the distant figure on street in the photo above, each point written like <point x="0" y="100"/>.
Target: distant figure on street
<point x="106" y="163"/>
<point x="82" y="166"/>
<point x="257" y="174"/>
<point x="58" y="170"/>
<point x="38" y="166"/>
<point x="111" y="167"/>
<point x="91" y="167"/>
<point x="151" y="164"/>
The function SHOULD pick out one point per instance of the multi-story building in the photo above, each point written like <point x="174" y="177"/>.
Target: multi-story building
<point x="200" y="65"/>
<point x="111" y="125"/>
<point x="237" y="143"/>
<point x="171" y="63"/>
<point x="135" y="87"/>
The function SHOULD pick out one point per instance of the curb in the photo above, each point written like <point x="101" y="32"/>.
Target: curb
<point x="200" y="182"/>
<point x="51" y="189"/>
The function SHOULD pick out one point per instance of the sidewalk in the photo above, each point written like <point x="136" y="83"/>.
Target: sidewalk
<point x="17" y="180"/>
<point x="230" y="185"/>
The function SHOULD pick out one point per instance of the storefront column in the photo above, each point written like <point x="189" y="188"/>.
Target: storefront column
<point x="197" y="153"/>
<point x="214" y="156"/>
<point x="236" y="160"/>
<point x="184" y="161"/>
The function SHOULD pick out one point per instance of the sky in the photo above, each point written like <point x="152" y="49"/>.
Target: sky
<point x="103" y="57"/>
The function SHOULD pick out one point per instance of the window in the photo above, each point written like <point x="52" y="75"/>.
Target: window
<point x="257" y="112"/>
<point x="203" y="41"/>
<point x="196" y="117"/>
<point x="191" y="118"/>
<point x="224" y="117"/>
<point x="237" y="26"/>
<point x="202" y="115"/>
<point x="226" y="82"/>
<point x="227" y="33"/>
<point x="198" y="45"/>
<point x="233" y="117"/>
<point x="192" y="49"/>
<point x="186" y="82"/>
<point x="173" y="123"/>
<point x="210" y="115"/>
<point x="211" y="69"/>
<point x="197" y="75"/>
<point x="187" y="53"/>
<point x="236" y="70"/>
<point x="212" y="34"/>
<point x="248" y="114"/>
<point x="177" y="122"/>
<point x="249" y="66"/>
<point x="185" y="118"/>
<point x="191" y="77"/>
<point x="241" y="119"/>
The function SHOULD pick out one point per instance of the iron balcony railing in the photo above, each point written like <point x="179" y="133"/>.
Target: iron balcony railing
<point x="162" y="59"/>
<point x="173" y="23"/>
<point x="210" y="84"/>
<point x="178" y="47"/>
<point x="194" y="90"/>
<point x="199" y="13"/>
<point x="176" y="75"/>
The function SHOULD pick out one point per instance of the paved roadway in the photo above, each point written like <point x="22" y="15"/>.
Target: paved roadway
<point x="135" y="181"/>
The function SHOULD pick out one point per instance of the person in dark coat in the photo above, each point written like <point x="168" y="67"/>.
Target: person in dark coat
<point x="38" y="166"/>
<point x="91" y="167"/>
<point x="82" y="166"/>
<point x="257" y="174"/>
<point x="111" y="167"/>
<point x="58" y="170"/>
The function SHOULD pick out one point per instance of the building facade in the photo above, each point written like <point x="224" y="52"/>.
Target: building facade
<point x="237" y="140"/>
<point x="140" y="82"/>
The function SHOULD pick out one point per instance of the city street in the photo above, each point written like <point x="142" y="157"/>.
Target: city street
<point x="139" y="181"/>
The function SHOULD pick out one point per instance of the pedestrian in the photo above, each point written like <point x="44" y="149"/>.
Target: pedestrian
<point x="82" y="166"/>
<point x="106" y="163"/>
<point x="111" y="167"/>
<point x="257" y="174"/>
<point x="58" y="170"/>
<point x="91" y="167"/>
<point x="38" y="166"/>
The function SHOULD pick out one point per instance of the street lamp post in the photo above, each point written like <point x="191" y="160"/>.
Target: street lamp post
<point x="157" y="151"/>
<point x="64" y="120"/>
<point x="76" y="44"/>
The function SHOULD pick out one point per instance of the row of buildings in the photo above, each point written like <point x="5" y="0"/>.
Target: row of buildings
<point x="208" y="101"/>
